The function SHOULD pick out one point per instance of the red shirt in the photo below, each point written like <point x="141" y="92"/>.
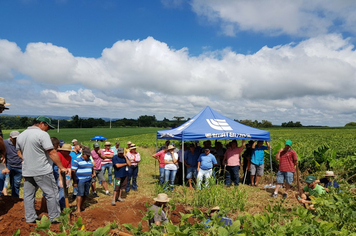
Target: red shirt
<point x="161" y="154"/>
<point x="105" y="152"/>
<point x="286" y="160"/>
<point x="66" y="160"/>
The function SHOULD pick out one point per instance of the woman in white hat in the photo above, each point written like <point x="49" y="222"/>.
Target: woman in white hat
<point x="135" y="158"/>
<point x="171" y="167"/>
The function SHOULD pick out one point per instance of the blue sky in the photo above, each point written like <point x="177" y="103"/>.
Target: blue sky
<point x="270" y="60"/>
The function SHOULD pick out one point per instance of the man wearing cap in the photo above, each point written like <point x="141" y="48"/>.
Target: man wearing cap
<point x="13" y="163"/>
<point x="35" y="146"/>
<point x="97" y="157"/>
<point x="127" y="149"/>
<point x="83" y="173"/>
<point x="106" y="162"/>
<point x="158" y="208"/>
<point x="232" y="162"/>
<point x="206" y="161"/>
<point x="312" y="188"/>
<point x="74" y="142"/>
<point x="120" y="163"/>
<point x="288" y="159"/>
<point x="257" y="162"/>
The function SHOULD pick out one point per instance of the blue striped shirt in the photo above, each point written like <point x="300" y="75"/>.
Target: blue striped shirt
<point x="83" y="169"/>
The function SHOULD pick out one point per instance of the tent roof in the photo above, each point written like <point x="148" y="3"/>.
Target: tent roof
<point x="209" y="124"/>
<point x="98" y="137"/>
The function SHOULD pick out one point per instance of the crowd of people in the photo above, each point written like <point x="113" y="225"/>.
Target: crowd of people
<point x="52" y="165"/>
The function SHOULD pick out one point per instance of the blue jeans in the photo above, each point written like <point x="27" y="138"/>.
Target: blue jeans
<point x="109" y="168"/>
<point x="232" y="173"/>
<point x="2" y="182"/>
<point x="161" y="175"/>
<point x="133" y="171"/>
<point x="15" y="180"/>
<point x="169" y="177"/>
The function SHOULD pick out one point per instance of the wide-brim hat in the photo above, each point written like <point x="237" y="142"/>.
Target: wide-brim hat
<point x="65" y="147"/>
<point x="162" y="197"/>
<point x="74" y="140"/>
<point x="3" y="104"/>
<point x="129" y="143"/>
<point x="107" y="144"/>
<point x="170" y="147"/>
<point x="133" y="146"/>
<point x="329" y="173"/>
<point x="215" y="208"/>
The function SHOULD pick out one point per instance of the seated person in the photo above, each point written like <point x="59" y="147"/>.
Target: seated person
<point x="328" y="180"/>
<point x="158" y="208"/>
<point x="313" y="189"/>
<point x="227" y="221"/>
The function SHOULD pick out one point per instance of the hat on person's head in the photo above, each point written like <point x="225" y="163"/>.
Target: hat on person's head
<point x="46" y="120"/>
<point x="96" y="145"/>
<point x="120" y="150"/>
<point x="329" y="173"/>
<point x="215" y="208"/>
<point x="206" y="149"/>
<point x="289" y="143"/>
<point x="129" y="142"/>
<point x="310" y="179"/>
<point x="162" y="197"/>
<point x="74" y="140"/>
<point x="61" y="142"/>
<point x="14" y="134"/>
<point x="3" y="104"/>
<point x="170" y="147"/>
<point x="86" y="151"/>
<point x="133" y="146"/>
<point x="107" y="144"/>
<point x="65" y="147"/>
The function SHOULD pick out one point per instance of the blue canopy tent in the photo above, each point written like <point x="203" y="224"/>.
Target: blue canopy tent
<point x="98" y="138"/>
<point x="211" y="125"/>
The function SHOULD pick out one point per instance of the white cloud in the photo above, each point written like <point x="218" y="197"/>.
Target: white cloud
<point x="274" y="17"/>
<point x="314" y="79"/>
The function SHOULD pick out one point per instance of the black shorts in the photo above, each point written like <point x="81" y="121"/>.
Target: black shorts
<point x="120" y="183"/>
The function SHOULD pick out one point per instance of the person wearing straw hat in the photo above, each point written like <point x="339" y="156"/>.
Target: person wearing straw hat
<point x="288" y="160"/>
<point x="171" y="167"/>
<point x="216" y="210"/>
<point x="106" y="162"/>
<point x="135" y="158"/>
<point x="158" y="207"/>
<point x="38" y="154"/>
<point x="328" y="180"/>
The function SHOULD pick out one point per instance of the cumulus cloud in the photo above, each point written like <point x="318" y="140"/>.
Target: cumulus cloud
<point x="316" y="76"/>
<point x="301" y="18"/>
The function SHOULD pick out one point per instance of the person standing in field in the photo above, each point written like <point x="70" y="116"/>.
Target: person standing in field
<point x="83" y="172"/>
<point x="96" y="155"/>
<point x="206" y="162"/>
<point x="160" y="157"/>
<point x="232" y="161"/>
<point x="247" y="162"/>
<point x="66" y="159"/>
<point x="191" y="162"/>
<point x="257" y="164"/>
<point x="127" y="149"/>
<point x="75" y="153"/>
<point x="13" y="163"/>
<point x="121" y="165"/>
<point x="170" y="168"/>
<point x="288" y="159"/>
<point x="3" y="107"/>
<point x="36" y="149"/>
<point x="106" y="162"/>
<point x="134" y="158"/>
<point x="115" y="147"/>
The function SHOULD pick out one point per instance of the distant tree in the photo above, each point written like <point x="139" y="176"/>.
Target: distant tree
<point x="350" y="124"/>
<point x="165" y="119"/>
<point x="292" y="124"/>
<point x="146" y="121"/>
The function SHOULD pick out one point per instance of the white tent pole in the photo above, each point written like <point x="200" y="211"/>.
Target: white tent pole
<point x="270" y="158"/>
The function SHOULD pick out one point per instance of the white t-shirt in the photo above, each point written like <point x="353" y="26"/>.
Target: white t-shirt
<point x="168" y="157"/>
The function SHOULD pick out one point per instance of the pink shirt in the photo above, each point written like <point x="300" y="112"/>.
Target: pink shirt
<point x="135" y="158"/>
<point x="96" y="159"/>
<point x="161" y="154"/>
<point x="105" y="152"/>
<point x="233" y="156"/>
